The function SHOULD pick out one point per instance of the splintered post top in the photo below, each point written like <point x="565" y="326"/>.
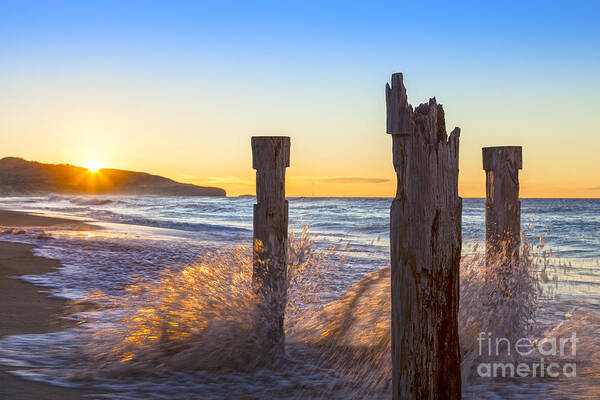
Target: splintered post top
<point x="398" y="110"/>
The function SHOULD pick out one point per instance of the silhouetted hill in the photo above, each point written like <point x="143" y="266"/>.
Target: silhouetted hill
<point x="19" y="176"/>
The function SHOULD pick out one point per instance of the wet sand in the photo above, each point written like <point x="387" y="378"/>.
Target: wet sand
<point x="9" y="218"/>
<point x="24" y="310"/>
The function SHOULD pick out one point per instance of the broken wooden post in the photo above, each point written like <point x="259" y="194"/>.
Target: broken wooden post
<point x="270" y="157"/>
<point x="502" y="206"/>
<point x="425" y="236"/>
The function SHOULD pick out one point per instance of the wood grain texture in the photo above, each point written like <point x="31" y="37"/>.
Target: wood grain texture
<point x="270" y="157"/>
<point x="502" y="206"/>
<point x="425" y="235"/>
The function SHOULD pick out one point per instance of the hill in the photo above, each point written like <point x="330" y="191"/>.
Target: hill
<point x="22" y="177"/>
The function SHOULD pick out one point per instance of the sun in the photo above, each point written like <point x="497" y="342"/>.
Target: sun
<point x="94" y="166"/>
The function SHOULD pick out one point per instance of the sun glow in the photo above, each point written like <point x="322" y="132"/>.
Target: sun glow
<point x="94" y="166"/>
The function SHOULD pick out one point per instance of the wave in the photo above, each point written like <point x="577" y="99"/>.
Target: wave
<point x="121" y="218"/>
<point x="82" y="201"/>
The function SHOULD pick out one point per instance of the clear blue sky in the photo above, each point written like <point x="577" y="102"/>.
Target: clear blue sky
<point x="150" y="85"/>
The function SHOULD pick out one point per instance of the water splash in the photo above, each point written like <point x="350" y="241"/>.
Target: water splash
<point x="198" y="318"/>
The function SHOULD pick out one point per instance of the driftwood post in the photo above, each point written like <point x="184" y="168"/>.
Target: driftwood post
<point x="270" y="157"/>
<point x="502" y="206"/>
<point x="425" y="236"/>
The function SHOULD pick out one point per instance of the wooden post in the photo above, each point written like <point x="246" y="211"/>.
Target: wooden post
<point x="270" y="157"/>
<point x="425" y="236"/>
<point x="502" y="206"/>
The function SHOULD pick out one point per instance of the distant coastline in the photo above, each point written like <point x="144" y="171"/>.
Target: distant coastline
<point x="22" y="177"/>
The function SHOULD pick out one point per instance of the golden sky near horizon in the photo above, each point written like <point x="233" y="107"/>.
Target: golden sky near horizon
<point x="338" y="142"/>
<point x="355" y="161"/>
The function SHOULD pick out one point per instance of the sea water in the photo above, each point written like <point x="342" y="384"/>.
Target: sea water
<point x="162" y="270"/>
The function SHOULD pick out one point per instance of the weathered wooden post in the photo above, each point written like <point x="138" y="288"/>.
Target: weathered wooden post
<point x="425" y="236"/>
<point x="502" y="206"/>
<point x="270" y="157"/>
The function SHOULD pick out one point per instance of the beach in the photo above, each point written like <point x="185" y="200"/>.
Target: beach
<point x="24" y="309"/>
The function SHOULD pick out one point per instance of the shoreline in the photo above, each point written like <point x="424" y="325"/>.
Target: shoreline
<point x="24" y="309"/>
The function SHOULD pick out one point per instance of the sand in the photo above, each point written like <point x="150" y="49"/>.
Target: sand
<point x="24" y="310"/>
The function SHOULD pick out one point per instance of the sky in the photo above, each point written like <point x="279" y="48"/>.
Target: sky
<point x="178" y="88"/>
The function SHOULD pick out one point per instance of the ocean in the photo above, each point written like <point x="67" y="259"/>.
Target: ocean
<point x="183" y="262"/>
